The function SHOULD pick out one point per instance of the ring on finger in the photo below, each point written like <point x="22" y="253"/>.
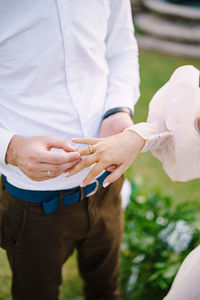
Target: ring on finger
<point x="49" y="174"/>
<point x="91" y="149"/>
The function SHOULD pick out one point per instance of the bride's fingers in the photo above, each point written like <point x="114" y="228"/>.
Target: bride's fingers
<point x="94" y="172"/>
<point x="87" y="150"/>
<point x="111" y="168"/>
<point x="86" y="162"/>
<point x="115" y="174"/>
<point x="89" y="141"/>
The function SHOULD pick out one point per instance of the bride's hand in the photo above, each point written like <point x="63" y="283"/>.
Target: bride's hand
<point x="120" y="150"/>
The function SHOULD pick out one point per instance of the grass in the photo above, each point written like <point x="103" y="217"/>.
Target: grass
<point x="5" y="276"/>
<point x="155" y="71"/>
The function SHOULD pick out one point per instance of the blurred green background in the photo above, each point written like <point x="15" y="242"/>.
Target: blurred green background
<point x="155" y="71"/>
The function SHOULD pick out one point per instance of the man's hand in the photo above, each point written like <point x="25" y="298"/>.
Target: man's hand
<point x="36" y="160"/>
<point x="115" y="124"/>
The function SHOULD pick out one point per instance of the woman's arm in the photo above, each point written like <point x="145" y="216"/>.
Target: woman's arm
<point x="170" y="134"/>
<point x="120" y="150"/>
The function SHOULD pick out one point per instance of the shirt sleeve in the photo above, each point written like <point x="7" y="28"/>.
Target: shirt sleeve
<point x="5" y="137"/>
<point x="122" y="57"/>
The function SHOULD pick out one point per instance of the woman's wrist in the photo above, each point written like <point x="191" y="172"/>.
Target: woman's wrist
<point x="135" y="137"/>
<point x="155" y="134"/>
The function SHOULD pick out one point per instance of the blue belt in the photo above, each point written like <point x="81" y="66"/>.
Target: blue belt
<point x="50" y="199"/>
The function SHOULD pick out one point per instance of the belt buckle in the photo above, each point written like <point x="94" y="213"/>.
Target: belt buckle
<point x="96" y="188"/>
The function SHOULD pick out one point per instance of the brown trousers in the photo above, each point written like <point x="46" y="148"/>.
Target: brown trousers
<point x="38" y="245"/>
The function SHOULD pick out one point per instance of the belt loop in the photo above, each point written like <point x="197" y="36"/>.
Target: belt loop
<point x="82" y="196"/>
<point x="2" y="183"/>
<point x="61" y="198"/>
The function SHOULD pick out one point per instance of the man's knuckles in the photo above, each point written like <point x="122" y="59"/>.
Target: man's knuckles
<point x="30" y="167"/>
<point x="33" y="156"/>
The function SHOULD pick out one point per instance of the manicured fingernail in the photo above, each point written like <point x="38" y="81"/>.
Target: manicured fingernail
<point x="67" y="174"/>
<point x="105" y="184"/>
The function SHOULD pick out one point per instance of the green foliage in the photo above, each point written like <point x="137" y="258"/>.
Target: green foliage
<point x="157" y="238"/>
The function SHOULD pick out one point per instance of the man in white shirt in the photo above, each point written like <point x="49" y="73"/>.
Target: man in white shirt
<point x="67" y="69"/>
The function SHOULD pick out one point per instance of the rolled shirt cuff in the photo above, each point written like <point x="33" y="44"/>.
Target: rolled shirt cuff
<point x="121" y="100"/>
<point x="5" y="137"/>
<point x="117" y="110"/>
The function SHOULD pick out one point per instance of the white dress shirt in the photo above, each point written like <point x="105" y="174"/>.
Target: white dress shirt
<point x="172" y="130"/>
<point x="63" y="63"/>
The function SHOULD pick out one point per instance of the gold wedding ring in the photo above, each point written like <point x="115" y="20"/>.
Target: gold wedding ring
<point x="91" y="150"/>
<point x="49" y="174"/>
